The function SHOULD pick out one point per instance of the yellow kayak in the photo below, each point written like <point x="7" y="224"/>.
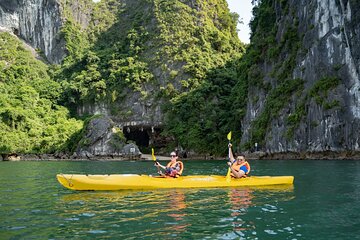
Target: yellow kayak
<point x="134" y="181"/>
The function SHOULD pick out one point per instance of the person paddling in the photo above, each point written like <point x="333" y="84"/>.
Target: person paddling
<point x="173" y="169"/>
<point x="239" y="167"/>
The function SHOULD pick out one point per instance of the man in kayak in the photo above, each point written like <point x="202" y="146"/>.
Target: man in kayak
<point x="173" y="169"/>
<point x="239" y="167"/>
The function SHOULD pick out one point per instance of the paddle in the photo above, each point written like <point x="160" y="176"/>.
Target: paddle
<point x="228" y="176"/>
<point x="153" y="155"/>
<point x="154" y="159"/>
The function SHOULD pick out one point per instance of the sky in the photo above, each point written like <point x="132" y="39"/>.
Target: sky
<point x="244" y="9"/>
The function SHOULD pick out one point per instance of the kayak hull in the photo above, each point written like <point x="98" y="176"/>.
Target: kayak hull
<point x="134" y="181"/>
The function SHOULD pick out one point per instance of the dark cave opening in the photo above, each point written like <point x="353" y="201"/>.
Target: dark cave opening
<point x="139" y="135"/>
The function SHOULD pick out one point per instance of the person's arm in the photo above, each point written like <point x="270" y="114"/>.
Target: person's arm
<point x="159" y="165"/>
<point x="235" y="173"/>
<point x="249" y="168"/>
<point x="231" y="155"/>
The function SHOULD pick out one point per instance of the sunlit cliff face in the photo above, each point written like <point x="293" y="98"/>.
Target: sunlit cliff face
<point x="334" y="21"/>
<point x="38" y="22"/>
<point x="329" y="35"/>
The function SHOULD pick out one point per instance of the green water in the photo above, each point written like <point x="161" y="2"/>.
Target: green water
<point x="322" y="204"/>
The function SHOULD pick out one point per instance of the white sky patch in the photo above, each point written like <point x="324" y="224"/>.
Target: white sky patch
<point x="244" y="9"/>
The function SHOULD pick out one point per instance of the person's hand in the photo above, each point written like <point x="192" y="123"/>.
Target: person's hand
<point x="230" y="145"/>
<point x="229" y="164"/>
<point x="156" y="164"/>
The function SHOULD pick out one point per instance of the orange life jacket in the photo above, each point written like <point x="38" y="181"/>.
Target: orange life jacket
<point x="173" y="165"/>
<point x="237" y="167"/>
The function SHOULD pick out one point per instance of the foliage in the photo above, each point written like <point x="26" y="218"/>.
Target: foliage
<point x="275" y="102"/>
<point x="185" y="43"/>
<point x="269" y="48"/>
<point x="319" y="92"/>
<point x="206" y="42"/>
<point x="174" y="46"/>
<point x="199" y="119"/>
<point x="184" y="55"/>
<point x="320" y="89"/>
<point x="118" y="139"/>
<point x="30" y="119"/>
<point x="76" y="42"/>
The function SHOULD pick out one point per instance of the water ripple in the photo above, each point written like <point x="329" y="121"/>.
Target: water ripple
<point x="35" y="206"/>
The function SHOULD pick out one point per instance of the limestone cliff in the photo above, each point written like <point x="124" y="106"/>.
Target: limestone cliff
<point x="39" y="23"/>
<point x="145" y="54"/>
<point x="124" y="59"/>
<point x="315" y="107"/>
<point x="303" y="69"/>
<point x="102" y="138"/>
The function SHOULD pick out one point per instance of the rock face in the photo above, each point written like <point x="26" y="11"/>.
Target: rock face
<point x="38" y="22"/>
<point x="102" y="138"/>
<point x="329" y="36"/>
<point x="326" y="118"/>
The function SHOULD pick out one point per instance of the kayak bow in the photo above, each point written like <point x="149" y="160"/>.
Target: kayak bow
<point x="134" y="181"/>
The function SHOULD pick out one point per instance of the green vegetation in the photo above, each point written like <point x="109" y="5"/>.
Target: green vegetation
<point x="319" y="92"/>
<point x="183" y="55"/>
<point x="266" y="49"/>
<point x="158" y="44"/>
<point x="184" y="43"/>
<point x="321" y="88"/>
<point x="30" y="119"/>
<point x="275" y="102"/>
<point x="124" y="49"/>
<point x="199" y="119"/>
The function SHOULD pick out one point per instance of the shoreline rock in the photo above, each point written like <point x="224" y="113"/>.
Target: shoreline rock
<point x="326" y="155"/>
<point x="147" y="157"/>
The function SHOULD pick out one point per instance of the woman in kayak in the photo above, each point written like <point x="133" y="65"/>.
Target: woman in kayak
<point x="239" y="167"/>
<point x="173" y="169"/>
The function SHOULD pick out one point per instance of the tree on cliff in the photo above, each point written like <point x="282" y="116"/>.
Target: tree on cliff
<point x="30" y="119"/>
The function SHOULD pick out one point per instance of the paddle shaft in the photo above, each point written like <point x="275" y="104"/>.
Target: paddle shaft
<point x="157" y="164"/>
<point x="228" y="176"/>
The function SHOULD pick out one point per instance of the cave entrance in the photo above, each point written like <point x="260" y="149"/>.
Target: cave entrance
<point x="139" y="135"/>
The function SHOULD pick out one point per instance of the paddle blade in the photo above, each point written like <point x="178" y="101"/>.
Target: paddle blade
<point x="229" y="136"/>
<point x="153" y="154"/>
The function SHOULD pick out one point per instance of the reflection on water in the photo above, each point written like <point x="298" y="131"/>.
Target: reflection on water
<point x="240" y="201"/>
<point x="172" y="212"/>
<point x="132" y="208"/>
<point x="177" y="204"/>
<point x="243" y="200"/>
<point x="34" y="206"/>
